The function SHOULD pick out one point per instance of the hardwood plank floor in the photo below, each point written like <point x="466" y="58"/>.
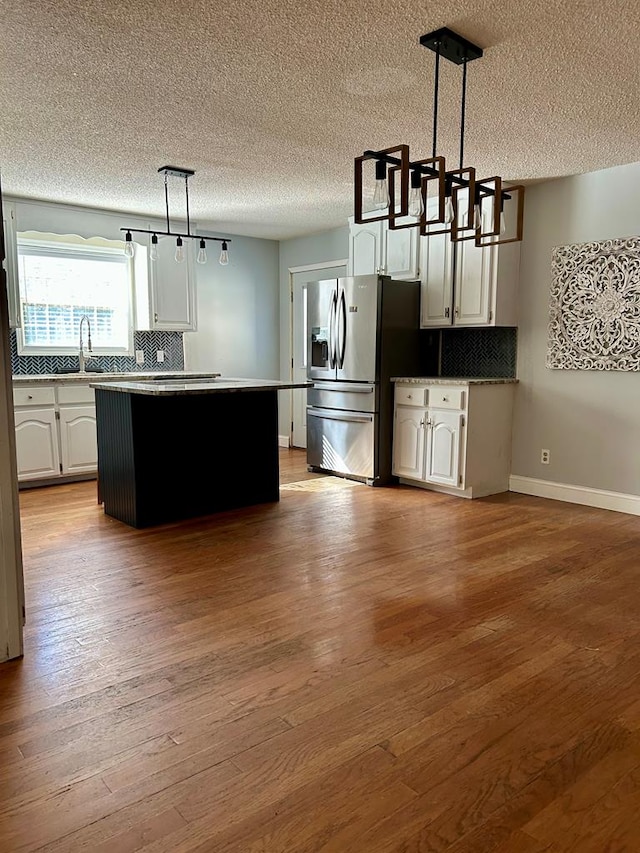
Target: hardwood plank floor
<point x="348" y="670"/>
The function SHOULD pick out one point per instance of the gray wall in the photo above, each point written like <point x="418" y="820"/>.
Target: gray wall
<point x="317" y="248"/>
<point x="590" y="421"/>
<point x="238" y="323"/>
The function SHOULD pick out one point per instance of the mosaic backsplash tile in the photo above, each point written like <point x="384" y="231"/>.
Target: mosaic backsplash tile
<point x="148" y="342"/>
<point x="483" y="353"/>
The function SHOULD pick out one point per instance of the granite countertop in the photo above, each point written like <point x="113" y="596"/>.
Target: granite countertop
<point x="193" y="386"/>
<point x="86" y="378"/>
<point x="454" y="380"/>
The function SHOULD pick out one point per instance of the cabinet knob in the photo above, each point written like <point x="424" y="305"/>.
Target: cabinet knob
<point x="409" y="397"/>
<point x="445" y="399"/>
<point x="29" y="396"/>
<point x="155" y="317"/>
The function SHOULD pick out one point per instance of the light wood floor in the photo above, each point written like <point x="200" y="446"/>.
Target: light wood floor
<point x="351" y="670"/>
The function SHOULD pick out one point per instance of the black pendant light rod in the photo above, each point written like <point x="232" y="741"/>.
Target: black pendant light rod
<point x="436" y="88"/>
<point x="167" y="233"/>
<point x="463" y="110"/>
<point x="166" y="201"/>
<point x="186" y="195"/>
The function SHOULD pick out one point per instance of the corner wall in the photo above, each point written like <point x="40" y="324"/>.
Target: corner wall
<point x="590" y="421"/>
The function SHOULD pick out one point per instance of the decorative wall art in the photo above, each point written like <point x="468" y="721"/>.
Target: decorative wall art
<point x="594" y="311"/>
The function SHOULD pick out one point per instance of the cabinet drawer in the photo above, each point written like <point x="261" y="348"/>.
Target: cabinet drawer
<point x="33" y="395"/>
<point x="446" y="398"/>
<point x="75" y="394"/>
<point x="411" y="395"/>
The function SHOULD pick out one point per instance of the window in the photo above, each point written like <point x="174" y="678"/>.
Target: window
<point x="63" y="278"/>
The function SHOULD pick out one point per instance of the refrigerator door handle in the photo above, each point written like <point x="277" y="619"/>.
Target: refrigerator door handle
<point x="343" y="324"/>
<point x="340" y="416"/>
<point x="332" y="330"/>
<point x="351" y="389"/>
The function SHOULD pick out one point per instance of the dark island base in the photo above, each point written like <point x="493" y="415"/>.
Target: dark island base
<point x="166" y="458"/>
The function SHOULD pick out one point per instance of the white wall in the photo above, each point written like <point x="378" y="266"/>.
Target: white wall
<point x="590" y="421"/>
<point x="238" y="326"/>
<point x="314" y="249"/>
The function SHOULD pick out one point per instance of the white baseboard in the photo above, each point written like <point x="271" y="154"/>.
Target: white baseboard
<point x="283" y="441"/>
<point x="616" y="501"/>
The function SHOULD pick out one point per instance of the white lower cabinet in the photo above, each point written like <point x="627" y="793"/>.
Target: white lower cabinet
<point x="454" y="438"/>
<point x="37" y="449"/>
<point x="78" y="446"/>
<point x="58" y="439"/>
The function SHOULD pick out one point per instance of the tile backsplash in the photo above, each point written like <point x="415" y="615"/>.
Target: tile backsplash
<point x="484" y="353"/>
<point x="148" y="342"/>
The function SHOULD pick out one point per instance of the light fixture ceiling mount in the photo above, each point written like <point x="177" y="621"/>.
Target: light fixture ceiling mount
<point x="431" y="197"/>
<point x="180" y="256"/>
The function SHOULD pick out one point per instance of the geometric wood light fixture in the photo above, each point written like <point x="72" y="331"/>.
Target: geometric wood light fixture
<point x="424" y="193"/>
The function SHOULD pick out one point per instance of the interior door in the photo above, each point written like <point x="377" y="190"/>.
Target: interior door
<point x="356" y="333"/>
<point x="300" y="336"/>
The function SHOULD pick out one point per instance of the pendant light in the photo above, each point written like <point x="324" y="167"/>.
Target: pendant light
<point x="180" y="253"/>
<point x="425" y="194"/>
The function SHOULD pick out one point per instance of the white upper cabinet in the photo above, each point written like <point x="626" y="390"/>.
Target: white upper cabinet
<point x="374" y="248"/>
<point x="465" y="285"/>
<point x="436" y="276"/>
<point x="365" y="249"/>
<point x="400" y="252"/>
<point x="172" y="288"/>
<point x="486" y="284"/>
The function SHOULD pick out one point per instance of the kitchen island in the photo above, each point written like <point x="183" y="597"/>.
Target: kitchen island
<point x="173" y="449"/>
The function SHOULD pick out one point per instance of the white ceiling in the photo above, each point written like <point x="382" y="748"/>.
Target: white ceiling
<point x="270" y="101"/>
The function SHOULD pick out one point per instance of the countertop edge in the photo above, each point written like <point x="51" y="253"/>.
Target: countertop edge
<point x="439" y="380"/>
<point x="90" y="378"/>
<point x="228" y="386"/>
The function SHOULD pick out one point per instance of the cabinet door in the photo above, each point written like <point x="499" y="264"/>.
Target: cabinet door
<point x="436" y="264"/>
<point x="443" y="448"/>
<point x="37" y="444"/>
<point x="408" y="442"/>
<point x="400" y="252"/>
<point x="172" y="288"/>
<point x="78" y="439"/>
<point x="474" y="284"/>
<point x="365" y="249"/>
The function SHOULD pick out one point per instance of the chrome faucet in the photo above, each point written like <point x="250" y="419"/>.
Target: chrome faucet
<point x="82" y="358"/>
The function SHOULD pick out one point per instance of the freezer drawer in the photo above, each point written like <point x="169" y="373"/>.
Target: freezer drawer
<point x="341" y="441"/>
<point x="351" y="396"/>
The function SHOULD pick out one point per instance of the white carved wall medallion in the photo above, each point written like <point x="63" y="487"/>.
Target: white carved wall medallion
<point x="594" y="311"/>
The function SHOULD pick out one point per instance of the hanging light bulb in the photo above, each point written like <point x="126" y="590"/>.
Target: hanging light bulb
<point x="381" y="192"/>
<point x="224" y="254"/>
<point x="449" y="212"/>
<point x="180" y="256"/>
<point x="477" y="214"/>
<point x="503" y="221"/>
<point x="202" y="254"/>
<point x="416" y="203"/>
<point x="129" y="246"/>
<point x="153" y="251"/>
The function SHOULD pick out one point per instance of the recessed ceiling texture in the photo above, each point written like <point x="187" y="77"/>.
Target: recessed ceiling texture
<point x="270" y="102"/>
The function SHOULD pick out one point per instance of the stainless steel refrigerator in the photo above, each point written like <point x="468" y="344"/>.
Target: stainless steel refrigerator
<point x="361" y="331"/>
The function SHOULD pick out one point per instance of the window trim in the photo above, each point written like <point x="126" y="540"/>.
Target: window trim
<point x="64" y="244"/>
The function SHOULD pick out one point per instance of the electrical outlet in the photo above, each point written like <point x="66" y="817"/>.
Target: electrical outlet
<point x="139" y="356"/>
<point x="160" y="356"/>
<point x="545" y="457"/>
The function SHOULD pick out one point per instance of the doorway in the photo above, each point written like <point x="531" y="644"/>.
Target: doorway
<point x="299" y="277"/>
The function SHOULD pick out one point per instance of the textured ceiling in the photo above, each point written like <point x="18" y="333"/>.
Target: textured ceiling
<point x="270" y="101"/>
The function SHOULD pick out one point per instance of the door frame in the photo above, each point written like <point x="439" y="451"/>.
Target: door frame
<point x="11" y="579"/>
<point x="321" y="265"/>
